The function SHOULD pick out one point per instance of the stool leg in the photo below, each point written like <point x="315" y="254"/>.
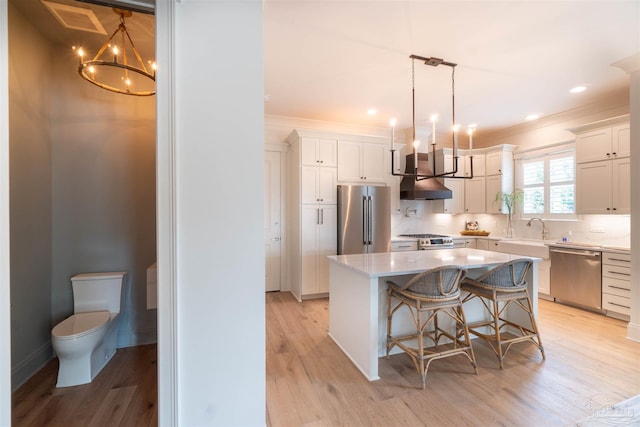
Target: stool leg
<point x="496" y="325"/>
<point x="388" y="322"/>
<point x="534" y="326"/>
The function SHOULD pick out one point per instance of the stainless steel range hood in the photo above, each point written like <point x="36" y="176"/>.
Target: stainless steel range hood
<point x="425" y="189"/>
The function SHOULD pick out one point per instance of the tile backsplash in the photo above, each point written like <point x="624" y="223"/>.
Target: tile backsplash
<point x="417" y="216"/>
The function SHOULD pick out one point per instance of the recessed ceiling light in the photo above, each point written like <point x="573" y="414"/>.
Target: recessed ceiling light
<point x="531" y="117"/>
<point x="578" y="89"/>
<point x="371" y="111"/>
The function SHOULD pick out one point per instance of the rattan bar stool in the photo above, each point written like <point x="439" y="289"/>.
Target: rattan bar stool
<point x="432" y="292"/>
<point x="499" y="288"/>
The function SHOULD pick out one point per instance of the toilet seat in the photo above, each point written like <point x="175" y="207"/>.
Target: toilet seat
<point x="80" y="324"/>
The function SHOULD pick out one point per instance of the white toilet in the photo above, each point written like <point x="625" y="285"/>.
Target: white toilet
<point x="86" y="341"/>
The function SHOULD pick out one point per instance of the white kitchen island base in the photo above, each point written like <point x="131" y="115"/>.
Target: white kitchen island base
<point x="358" y="298"/>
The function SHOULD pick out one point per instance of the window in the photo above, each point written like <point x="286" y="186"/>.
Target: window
<point x="547" y="178"/>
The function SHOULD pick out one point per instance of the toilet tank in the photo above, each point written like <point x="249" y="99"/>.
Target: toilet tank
<point x="97" y="291"/>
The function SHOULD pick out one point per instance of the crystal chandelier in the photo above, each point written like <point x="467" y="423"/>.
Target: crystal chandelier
<point x="434" y="62"/>
<point x="110" y="68"/>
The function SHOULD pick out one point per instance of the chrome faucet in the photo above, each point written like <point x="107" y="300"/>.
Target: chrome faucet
<point x="544" y="228"/>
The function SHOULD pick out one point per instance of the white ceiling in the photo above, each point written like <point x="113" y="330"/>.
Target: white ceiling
<point x="334" y="59"/>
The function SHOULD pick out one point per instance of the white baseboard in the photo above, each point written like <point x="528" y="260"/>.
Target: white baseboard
<point x="633" y="332"/>
<point x="30" y="365"/>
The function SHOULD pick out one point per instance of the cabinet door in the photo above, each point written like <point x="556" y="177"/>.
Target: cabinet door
<point x="309" y="247"/>
<point x="621" y="140"/>
<point x="449" y="165"/>
<point x="621" y="180"/>
<point x="474" y="195"/>
<point x="328" y="152"/>
<point x="309" y="184"/>
<point x="593" y="145"/>
<point x="494" y="186"/>
<point x="482" y="244"/>
<point x="349" y="161"/>
<point x="593" y="188"/>
<point x="479" y="168"/>
<point x="327" y="244"/>
<point x="454" y="205"/>
<point x="327" y="186"/>
<point x="372" y="161"/>
<point x="309" y="151"/>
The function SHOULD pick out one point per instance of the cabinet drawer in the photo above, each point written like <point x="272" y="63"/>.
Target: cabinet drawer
<point x="616" y="287"/>
<point x="616" y="272"/>
<point x="404" y="246"/>
<point x="616" y="304"/>
<point x="623" y="260"/>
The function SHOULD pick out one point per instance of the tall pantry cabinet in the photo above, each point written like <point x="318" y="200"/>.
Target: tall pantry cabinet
<point x="312" y="211"/>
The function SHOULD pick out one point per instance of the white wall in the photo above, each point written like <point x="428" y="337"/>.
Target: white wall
<point x="219" y="143"/>
<point x="5" y="319"/>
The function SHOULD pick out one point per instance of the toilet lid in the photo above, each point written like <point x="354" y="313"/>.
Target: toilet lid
<point x="80" y="324"/>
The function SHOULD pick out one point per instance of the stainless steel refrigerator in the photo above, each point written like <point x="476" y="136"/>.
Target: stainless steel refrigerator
<point x="364" y="219"/>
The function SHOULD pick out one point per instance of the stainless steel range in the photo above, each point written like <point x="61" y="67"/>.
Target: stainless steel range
<point x="431" y="241"/>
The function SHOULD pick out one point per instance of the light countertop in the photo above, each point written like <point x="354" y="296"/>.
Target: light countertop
<point x="413" y="262"/>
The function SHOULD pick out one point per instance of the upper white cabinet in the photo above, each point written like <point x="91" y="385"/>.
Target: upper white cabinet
<point x="603" y="170"/>
<point x="606" y="143"/>
<point x="604" y="187"/>
<point x="455" y="204"/>
<point x="319" y="152"/>
<point x="447" y="163"/>
<point x="499" y="176"/>
<point x="474" y="195"/>
<point x="362" y="162"/>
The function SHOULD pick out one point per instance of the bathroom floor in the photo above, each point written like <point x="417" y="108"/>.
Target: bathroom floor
<point x="123" y="394"/>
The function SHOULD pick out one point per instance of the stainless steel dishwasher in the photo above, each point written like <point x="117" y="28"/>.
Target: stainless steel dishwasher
<point x="576" y="277"/>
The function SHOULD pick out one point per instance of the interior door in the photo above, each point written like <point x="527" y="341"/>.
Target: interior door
<point x="272" y="221"/>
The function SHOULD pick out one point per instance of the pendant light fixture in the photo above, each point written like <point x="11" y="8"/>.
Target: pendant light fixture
<point x="111" y="68"/>
<point x="417" y="175"/>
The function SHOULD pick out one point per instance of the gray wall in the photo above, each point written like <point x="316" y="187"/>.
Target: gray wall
<point x="103" y="187"/>
<point x="82" y="194"/>
<point x="30" y="197"/>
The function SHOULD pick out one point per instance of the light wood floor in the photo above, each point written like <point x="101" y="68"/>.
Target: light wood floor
<point x="123" y="394"/>
<point x="590" y="365"/>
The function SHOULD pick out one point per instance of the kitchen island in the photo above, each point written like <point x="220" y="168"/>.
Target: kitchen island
<point x="358" y="297"/>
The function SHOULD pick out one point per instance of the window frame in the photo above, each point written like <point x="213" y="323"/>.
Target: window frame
<point x="546" y="154"/>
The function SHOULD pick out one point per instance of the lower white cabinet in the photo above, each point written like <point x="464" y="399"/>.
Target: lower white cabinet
<point x="403" y="246"/>
<point x="616" y="284"/>
<point x="464" y="243"/>
<point x="482" y="244"/>
<point x="318" y="238"/>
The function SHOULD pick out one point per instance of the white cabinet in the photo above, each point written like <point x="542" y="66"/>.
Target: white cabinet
<point x="499" y="172"/>
<point x="455" y="204"/>
<point x="606" y="143"/>
<point x="362" y="162"/>
<point x="318" y="239"/>
<point x="604" y="187"/>
<point x="474" y="195"/>
<point x="482" y="244"/>
<point x="318" y="185"/>
<point x="616" y="284"/>
<point x="447" y="164"/>
<point x="464" y="243"/>
<point x="312" y="212"/>
<point x="319" y="152"/>
<point x="404" y="245"/>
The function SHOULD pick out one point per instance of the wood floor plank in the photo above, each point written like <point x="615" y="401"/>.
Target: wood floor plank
<point x="590" y="364"/>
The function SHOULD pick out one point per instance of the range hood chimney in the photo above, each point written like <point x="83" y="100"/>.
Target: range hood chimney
<point x="425" y="189"/>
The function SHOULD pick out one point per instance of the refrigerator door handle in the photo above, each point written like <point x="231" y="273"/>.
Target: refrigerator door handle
<point x="369" y="221"/>
<point x="365" y="224"/>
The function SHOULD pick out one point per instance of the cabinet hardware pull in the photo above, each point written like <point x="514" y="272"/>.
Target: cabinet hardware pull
<point x="621" y="274"/>
<point x="615" y="154"/>
<point x="619" y="287"/>
<point x="621" y="260"/>
<point x="322" y="216"/>
<point x="618" y="305"/>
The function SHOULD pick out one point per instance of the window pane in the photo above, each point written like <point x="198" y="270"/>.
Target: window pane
<point x="533" y="173"/>
<point x="561" y="199"/>
<point x="561" y="170"/>
<point x="533" y="200"/>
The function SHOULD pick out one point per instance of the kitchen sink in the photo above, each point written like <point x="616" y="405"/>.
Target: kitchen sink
<point x="534" y="248"/>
